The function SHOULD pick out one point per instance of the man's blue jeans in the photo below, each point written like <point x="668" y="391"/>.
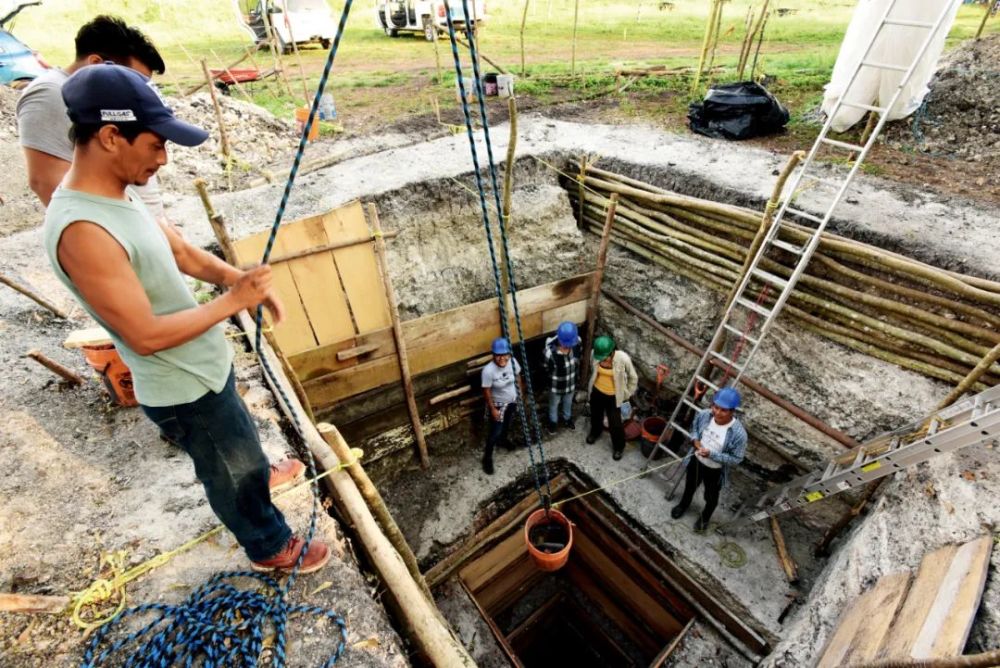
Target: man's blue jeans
<point x="219" y="435"/>
<point x="563" y="401"/>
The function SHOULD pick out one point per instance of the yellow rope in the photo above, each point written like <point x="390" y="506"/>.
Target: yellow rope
<point x="614" y="483"/>
<point x="104" y="589"/>
<point x="236" y="335"/>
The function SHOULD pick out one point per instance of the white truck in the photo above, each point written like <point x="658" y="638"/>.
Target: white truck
<point x="428" y="17"/>
<point x="293" y="21"/>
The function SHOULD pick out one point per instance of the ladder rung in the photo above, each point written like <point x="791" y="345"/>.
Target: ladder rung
<point x="770" y="278"/>
<point x="843" y="144"/>
<point x="884" y="66"/>
<point x="742" y="335"/>
<point x="830" y="183"/>
<point x="728" y="362"/>
<point x="690" y="404"/>
<point x="784" y="245"/>
<point x="804" y="214"/>
<point x="746" y="303"/>
<point x="909" y="24"/>
<point x="707" y="382"/>
<point x="868" y="107"/>
<point x="679" y="428"/>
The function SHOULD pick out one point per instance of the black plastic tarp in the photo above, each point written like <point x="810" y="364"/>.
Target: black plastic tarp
<point x="737" y="111"/>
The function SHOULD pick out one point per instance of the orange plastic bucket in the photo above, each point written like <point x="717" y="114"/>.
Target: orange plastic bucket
<point x="114" y="373"/>
<point x="549" y="538"/>
<point x="301" y="116"/>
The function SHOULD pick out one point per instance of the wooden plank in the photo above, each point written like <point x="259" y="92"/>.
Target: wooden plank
<point x="322" y="360"/>
<point x="501" y="640"/>
<point x="923" y="591"/>
<point x="486" y="567"/>
<point x="950" y="618"/>
<point x="575" y="312"/>
<point x="511" y="586"/>
<point x="356" y="351"/>
<point x="864" y="624"/>
<point x="358" y="269"/>
<point x="95" y="336"/>
<point x="317" y="280"/>
<point x="294" y="334"/>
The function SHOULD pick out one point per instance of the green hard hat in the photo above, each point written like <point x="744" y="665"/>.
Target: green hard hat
<point x="603" y="346"/>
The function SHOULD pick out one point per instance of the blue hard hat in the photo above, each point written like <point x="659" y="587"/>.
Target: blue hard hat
<point x="501" y="346"/>
<point x="567" y="334"/>
<point x="727" y="398"/>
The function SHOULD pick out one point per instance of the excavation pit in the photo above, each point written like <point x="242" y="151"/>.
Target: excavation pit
<point x="619" y="600"/>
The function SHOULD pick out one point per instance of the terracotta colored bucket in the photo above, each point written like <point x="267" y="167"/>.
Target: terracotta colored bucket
<point x="115" y="374"/>
<point x="548" y="558"/>
<point x="301" y="116"/>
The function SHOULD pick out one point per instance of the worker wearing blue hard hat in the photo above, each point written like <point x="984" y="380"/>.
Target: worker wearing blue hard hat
<point x="500" y="380"/>
<point x="719" y="441"/>
<point x="562" y="364"/>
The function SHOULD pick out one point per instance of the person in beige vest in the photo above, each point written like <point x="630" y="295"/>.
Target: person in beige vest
<point x="613" y="381"/>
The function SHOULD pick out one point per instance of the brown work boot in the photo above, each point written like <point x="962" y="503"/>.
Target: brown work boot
<point x="284" y="561"/>
<point x="286" y="473"/>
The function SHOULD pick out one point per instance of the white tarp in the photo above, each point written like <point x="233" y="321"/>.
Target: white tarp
<point x="895" y="45"/>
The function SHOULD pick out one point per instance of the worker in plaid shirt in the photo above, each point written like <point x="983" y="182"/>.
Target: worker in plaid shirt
<point x="562" y="363"/>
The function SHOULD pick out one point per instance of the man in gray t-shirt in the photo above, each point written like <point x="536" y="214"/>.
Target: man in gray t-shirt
<point x="42" y="122"/>
<point x="500" y="380"/>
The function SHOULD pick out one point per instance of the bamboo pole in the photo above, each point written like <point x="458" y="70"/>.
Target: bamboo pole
<point x="68" y="375"/>
<point x="223" y="135"/>
<point x="225" y="68"/>
<point x="215" y="220"/>
<point x="741" y="66"/>
<point x="706" y="41"/>
<point x="576" y="20"/>
<point x="715" y="41"/>
<point x="397" y="332"/>
<point x="508" y="174"/>
<point x="760" y="41"/>
<point x="524" y="21"/>
<point x="595" y="289"/>
<point x="41" y="301"/>
<point x="375" y="502"/>
<point x="985" y="364"/>
<point x="986" y="16"/>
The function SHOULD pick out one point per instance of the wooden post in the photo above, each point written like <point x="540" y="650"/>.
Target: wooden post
<point x="32" y="296"/>
<point x="787" y="563"/>
<point x="272" y="40"/>
<point x="986" y="16"/>
<point x="215" y="220"/>
<point x="706" y="42"/>
<point x="375" y="502"/>
<point x="715" y="43"/>
<point x="228" y="71"/>
<point x="576" y="20"/>
<point x="595" y="294"/>
<point x="223" y="135"/>
<point x="68" y="375"/>
<point x="397" y="333"/>
<point x="524" y="20"/>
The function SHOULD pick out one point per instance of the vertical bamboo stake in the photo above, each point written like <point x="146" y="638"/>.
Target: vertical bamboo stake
<point x="715" y="42"/>
<point x="298" y="60"/>
<point x="576" y="20"/>
<point x="524" y="20"/>
<point x="709" y="29"/>
<point x="215" y="220"/>
<point x="272" y="35"/>
<point x="986" y="15"/>
<point x="223" y="135"/>
<point x="595" y="294"/>
<point x="374" y="500"/>
<point x="437" y="58"/>
<point x="582" y="193"/>
<point x="760" y="41"/>
<point x="397" y="332"/>
<point x="750" y="38"/>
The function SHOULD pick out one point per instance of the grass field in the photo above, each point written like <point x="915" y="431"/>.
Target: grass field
<point x="383" y="79"/>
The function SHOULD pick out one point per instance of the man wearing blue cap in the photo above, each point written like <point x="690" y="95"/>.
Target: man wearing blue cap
<point x="127" y="270"/>
<point x="562" y="362"/>
<point x="718" y="441"/>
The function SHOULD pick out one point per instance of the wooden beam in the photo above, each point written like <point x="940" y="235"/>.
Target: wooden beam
<point x="450" y="394"/>
<point x="595" y="290"/>
<point x="501" y="640"/>
<point x="285" y="257"/>
<point x="397" y="332"/>
<point x="669" y="649"/>
<point x="357" y="351"/>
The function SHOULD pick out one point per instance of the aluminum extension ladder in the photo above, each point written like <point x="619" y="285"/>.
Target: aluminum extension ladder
<point x="748" y="318"/>
<point x="969" y="422"/>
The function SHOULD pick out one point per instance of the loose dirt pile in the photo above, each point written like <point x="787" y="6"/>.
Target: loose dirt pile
<point x="961" y="118"/>
<point x="257" y="140"/>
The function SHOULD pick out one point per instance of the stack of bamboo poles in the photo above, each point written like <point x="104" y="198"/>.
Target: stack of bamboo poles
<point x="936" y="322"/>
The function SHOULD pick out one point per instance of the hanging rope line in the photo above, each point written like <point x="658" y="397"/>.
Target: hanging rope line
<point x="220" y="625"/>
<point x="523" y="412"/>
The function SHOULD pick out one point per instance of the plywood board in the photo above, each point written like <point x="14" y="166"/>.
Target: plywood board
<point x="294" y="334"/>
<point x="486" y="567"/>
<point x="864" y="624"/>
<point x="949" y="620"/>
<point x="358" y="268"/>
<point x="95" y="336"/>
<point x="575" y="312"/>
<point x="317" y="281"/>
<point x="912" y="615"/>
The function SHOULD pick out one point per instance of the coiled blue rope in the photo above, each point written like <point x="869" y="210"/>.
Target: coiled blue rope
<point x="220" y="625"/>
<point x="532" y="439"/>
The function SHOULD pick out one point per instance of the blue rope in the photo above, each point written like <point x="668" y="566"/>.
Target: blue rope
<point x="219" y="625"/>
<point x="501" y="298"/>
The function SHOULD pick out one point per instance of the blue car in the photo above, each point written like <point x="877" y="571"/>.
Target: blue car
<point x="18" y="63"/>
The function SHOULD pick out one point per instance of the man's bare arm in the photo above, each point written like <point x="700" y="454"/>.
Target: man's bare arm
<point x="45" y="173"/>
<point x="99" y="268"/>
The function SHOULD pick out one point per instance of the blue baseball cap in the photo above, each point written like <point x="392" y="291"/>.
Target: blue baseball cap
<point x="110" y="93"/>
